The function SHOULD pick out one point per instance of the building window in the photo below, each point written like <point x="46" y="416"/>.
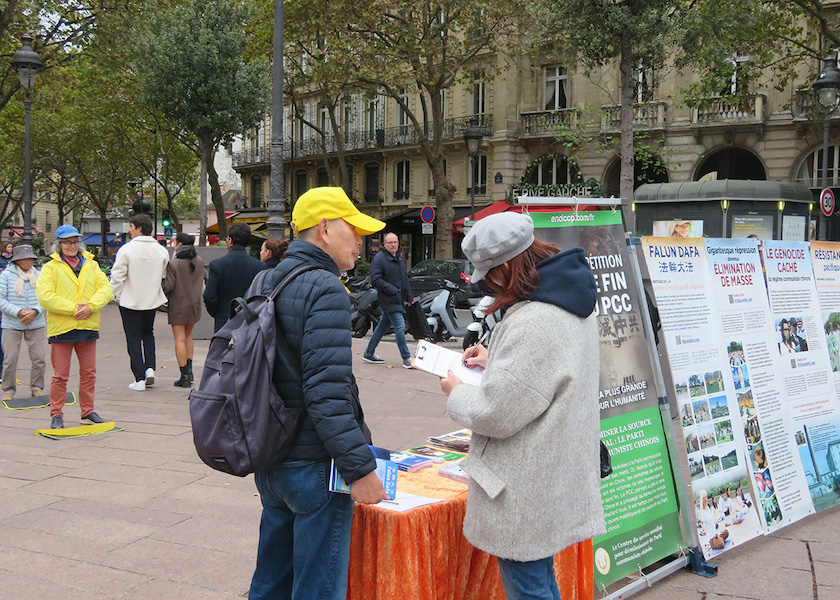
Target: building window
<point x="323" y="119"/>
<point x="556" y="80"/>
<point x="372" y="122"/>
<point x="403" y="182"/>
<point x="555" y="170"/>
<point x="644" y="83"/>
<point x="300" y="183"/>
<point x="323" y="177"/>
<point x="478" y="176"/>
<point x="48" y="221"/>
<point x="348" y="119"/>
<point x="478" y="92"/>
<point x="372" y="182"/>
<point x="256" y="192"/>
<point x="402" y="114"/>
<point x="810" y="171"/>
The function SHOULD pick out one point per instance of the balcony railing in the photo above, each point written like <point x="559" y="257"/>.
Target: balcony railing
<point x="725" y="109"/>
<point x="646" y="115"/>
<point x="366" y="140"/>
<point x="549" y="121"/>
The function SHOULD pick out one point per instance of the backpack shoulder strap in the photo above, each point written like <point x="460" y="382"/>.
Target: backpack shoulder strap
<point x="288" y="279"/>
<point x="256" y="285"/>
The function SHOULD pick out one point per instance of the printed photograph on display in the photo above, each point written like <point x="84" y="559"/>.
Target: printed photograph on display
<point x="687" y="415"/>
<point x="746" y="404"/>
<point x="741" y="377"/>
<point x="772" y="512"/>
<point x="706" y="435"/>
<point x="685" y="229"/>
<point x="725" y="511"/>
<point x="752" y="432"/>
<point x="682" y="390"/>
<point x="695" y="467"/>
<point x="819" y="450"/>
<point x="701" y="411"/>
<point x="738" y="364"/>
<point x="696" y="386"/>
<point x="758" y="457"/>
<point x="831" y="325"/>
<point x="711" y="461"/>
<point x="719" y="406"/>
<point x="691" y="442"/>
<point x="729" y="460"/>
<point x="723" y="432"/>
<point x="714" y="382"/>
<point x="791" y="335"/>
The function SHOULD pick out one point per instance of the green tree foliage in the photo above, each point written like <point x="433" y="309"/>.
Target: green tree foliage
<point x="191" y="67"/>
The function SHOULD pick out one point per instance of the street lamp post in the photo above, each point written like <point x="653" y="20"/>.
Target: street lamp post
<point x="473" y="135"/>
<point x="27" y="63"/>
<point x="826" y="89"/>
<point x="277" y="185"/>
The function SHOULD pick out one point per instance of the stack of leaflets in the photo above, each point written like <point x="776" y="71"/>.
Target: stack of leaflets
<point x="385" y="469"/>
<point x="454" y="471"/>
<point x="459" y="441"/>
<point x="436" y="454"/>
<point x="410" y="463"/>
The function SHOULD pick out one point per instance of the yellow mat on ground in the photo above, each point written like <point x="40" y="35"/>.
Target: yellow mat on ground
<point x="35" y="402"/>
<point x="81" y="431"/>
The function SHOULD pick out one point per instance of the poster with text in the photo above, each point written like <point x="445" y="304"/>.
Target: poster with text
<point x="709" y="392"/>
<point x="805" y="361"/>
<point x="639" y="498"/>
<point x="747" y="325"/>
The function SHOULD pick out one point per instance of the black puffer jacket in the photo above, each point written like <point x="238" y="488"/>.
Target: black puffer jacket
<point x="315" y="369"/>
<point x="389" y="277"/>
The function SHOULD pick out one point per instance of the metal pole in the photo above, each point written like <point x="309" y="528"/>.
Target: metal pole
<point x="473" y="162"/>
<point x="156" y="186"/>
<point x="27" y="177"/>
<point x="821" y="224"/>
<point x="277" y="187"/>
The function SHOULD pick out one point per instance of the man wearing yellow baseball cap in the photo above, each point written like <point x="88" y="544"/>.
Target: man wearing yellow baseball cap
<point x="313" y="372"/>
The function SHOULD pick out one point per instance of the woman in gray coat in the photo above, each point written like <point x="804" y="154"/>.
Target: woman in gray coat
<point x="183" y="285"/>
<point x="534" y="458"/>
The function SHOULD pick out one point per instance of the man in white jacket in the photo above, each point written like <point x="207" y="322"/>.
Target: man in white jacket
<point x="136" y="280"/>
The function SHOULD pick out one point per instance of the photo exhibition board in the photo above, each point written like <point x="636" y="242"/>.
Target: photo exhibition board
<point x="639" y="498"/>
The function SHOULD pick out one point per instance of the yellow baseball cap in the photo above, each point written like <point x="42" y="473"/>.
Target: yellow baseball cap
<point x="331" y="203"/>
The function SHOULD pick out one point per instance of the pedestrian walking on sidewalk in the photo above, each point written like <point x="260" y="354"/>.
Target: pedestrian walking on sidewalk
<point x="5" y="259"/>
<point x="23" y="320"/>
<point x="183" y="284"/>
<point x="136" y="279"/>
<point x="72" y="289"/>
<point x="535" y="485"/>
<point x="390" y="278"/>
<point x="304" y="547"/>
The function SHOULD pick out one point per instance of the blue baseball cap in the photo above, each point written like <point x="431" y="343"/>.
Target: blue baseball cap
<point x="66" y="231"/>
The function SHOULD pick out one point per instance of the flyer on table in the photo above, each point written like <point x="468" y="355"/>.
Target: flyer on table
<point x="725" y="508"/>
<point x="639" y="498"/>
<point x="804" y="358"/>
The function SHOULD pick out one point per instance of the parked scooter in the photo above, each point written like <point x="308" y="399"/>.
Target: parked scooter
<point x="441" y="315"/>
<point x="482" y="322"/>
<point x="365" y="311"/>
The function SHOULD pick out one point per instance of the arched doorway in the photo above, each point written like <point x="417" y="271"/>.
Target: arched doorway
<point x="731" y="163"/>
<point x="810" y="170"/>
<point x="647" y="168"/>
<point x="553" y="169"/>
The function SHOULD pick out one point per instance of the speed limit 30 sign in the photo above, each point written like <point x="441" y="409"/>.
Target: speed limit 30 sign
<point x="827" y="202"/>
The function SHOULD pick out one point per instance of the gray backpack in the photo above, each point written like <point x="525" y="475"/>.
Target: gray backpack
<point x="240" y="423"/>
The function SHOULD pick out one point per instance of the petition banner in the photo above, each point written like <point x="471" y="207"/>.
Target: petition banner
<point x="711" y="379"/>
<point x="639" y="498"/>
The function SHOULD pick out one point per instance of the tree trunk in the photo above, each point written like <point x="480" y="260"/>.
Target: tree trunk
<point x="208" y="147"/>
<point x="103" y="229"/>
<point x="443" y="213"/>
<point x="627" y="177"/>
<point x="202" y="202"/>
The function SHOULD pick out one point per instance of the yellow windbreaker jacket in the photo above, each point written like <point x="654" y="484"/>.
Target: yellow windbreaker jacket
<point x="59" y="292"/>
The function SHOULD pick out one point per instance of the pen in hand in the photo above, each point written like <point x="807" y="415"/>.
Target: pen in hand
<point x="477" y="344"/>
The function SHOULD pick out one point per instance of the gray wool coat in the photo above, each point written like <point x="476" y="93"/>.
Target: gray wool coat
<point x="183" y="288"/>
<point x="534" y="458"/>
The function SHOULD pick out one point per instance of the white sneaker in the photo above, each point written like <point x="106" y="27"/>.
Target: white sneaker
<point x="137" y="386"/>
<point x="150" y="376"/>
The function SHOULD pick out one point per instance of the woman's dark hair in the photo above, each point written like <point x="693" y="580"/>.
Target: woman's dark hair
<point x="518" y="280"/>
<point x="276" y="248"/>
<point x="185" y="239"/>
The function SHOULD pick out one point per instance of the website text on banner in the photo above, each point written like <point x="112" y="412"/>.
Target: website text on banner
<point x="639" y="497"/>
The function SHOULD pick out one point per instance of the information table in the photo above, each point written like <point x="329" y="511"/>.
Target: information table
<point x="421" y="554"/>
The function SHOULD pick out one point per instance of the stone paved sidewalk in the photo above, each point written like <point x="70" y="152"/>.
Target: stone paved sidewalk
<point x="135" y="515"/>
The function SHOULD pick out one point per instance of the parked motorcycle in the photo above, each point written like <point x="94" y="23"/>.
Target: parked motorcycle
<point x="482" y="323"/>
<point x="365" y="312"/>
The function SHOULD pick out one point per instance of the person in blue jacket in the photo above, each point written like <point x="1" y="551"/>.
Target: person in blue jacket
<point x="389" y="277"/>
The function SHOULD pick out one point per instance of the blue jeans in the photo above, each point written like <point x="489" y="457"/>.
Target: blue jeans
<point x="304" y="549"/>
<point x="531" y="580"/>
<point x="396" y="319"/>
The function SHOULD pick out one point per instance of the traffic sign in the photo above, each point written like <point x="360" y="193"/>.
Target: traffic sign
<point x="827" y="202"/>
<point x="427" y="228"/>
<point x="427" y="214"/>
<point x="167" y="231"/>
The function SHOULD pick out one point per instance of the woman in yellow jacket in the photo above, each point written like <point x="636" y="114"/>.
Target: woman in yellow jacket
<point x="72" y="289"/>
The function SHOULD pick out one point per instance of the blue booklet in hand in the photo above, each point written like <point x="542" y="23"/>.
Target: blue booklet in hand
<point x="385" y="469"/>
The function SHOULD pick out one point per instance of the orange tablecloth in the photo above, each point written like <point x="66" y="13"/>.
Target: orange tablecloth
<point x="421" y="554"/>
